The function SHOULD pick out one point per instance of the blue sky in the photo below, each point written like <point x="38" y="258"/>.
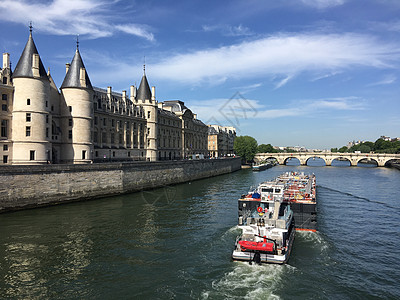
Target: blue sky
<point x="313" y="73"/>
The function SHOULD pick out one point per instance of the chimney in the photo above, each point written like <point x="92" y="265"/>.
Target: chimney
<point x="109" y="91"/>
<point x="35" y="65"/>
<point x="124" y="96"/>
<point x="153" y="93"/>
<point x="82" y="77"/>
<point x="133" y="93"/>
<point x="67" y="68"/>
<point x="6" y="60"/>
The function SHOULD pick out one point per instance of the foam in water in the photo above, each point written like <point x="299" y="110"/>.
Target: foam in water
<point x="247" y="281"/>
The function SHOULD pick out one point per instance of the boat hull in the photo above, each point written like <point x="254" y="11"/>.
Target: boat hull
<point x="267" y="258"/>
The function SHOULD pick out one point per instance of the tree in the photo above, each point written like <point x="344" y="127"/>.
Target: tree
<point x="246" y="147"/>
<point x="364" y="149"/>
<point x="343" y="149"/>
<point x="334" y="150"/>
<point x="265" y="148"/>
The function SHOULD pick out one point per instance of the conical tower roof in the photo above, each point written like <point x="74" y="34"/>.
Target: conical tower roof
<point x="72" y="78"/>
<point x="144" y="91"/>
<point x="24" y="65"/>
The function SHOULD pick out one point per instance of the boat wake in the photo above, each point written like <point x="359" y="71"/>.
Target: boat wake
<point x="360" y="198"/>
<point x="314" y="238"/>
<point x="249" y="282"/>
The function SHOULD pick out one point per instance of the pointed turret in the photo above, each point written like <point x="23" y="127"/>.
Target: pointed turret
<point x="77" y="76"/>
<point x="30" y="65"/>
<point x="144" y="92"/>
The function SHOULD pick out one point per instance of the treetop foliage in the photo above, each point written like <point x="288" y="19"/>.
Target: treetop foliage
<point x="380" y="146"/>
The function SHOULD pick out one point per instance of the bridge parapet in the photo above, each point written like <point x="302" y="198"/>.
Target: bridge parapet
<point x="328" y="157"/>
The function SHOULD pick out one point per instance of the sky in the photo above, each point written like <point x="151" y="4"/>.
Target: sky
<point x="311" y="73"/>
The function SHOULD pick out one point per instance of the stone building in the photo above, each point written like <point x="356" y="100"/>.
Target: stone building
<point x="220" y="140"/>
<point x="83" y="124"/>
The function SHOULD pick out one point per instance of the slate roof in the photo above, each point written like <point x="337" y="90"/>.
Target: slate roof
<point x="144" y="92"/>
<point x="176" y="105"/>
<point x="72" y="78"/>
<point x="24" y="65"/>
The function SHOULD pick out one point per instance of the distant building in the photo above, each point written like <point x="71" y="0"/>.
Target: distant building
<point x="82" y="124"/>
<point x="220" y="140"/>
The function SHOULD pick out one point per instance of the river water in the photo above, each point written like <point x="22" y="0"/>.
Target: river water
<point x="175" y="243"/>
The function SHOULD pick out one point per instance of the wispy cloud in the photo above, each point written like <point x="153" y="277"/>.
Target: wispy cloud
<point x="221" y="109"/>
<point x="284" y="55"/>
<point x="228" y="30"/>
<point x="321" y="4"/>
<point x="389" y="79"/>
<point x="64" y="17"/>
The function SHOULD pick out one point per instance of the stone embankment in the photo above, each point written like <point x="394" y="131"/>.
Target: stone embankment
<point x="33" y="186"/>
<point x="396" y="165"/>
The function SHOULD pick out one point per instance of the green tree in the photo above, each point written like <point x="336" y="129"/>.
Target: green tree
<point x="343" y="149"/>
<point x="246" y="147"/>
<point x="265" y="148"/>
<point x="364" y="149"/>
<point x="334" y="150"/>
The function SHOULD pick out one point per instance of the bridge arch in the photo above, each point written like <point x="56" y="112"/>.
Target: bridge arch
<point x="368" y="160"/>
<point x="291" y="158"/>
<point x="313" y="158"/>
<point x="336" y="161"/>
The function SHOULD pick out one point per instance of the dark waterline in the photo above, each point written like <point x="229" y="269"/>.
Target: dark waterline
<point x="175" y="243"/>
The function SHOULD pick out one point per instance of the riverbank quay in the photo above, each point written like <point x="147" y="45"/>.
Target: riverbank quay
<point x="396" y="166"/>
<point x="24" y="187"/>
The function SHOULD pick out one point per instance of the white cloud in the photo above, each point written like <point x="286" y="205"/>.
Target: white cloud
<point x="235" y="110"/>
<point x="65" y="17"/>
<point x="228" y="30"/>
<point x="389" y="79"/>
<point x="282" y="55"/>
<point x="321" y="4"/>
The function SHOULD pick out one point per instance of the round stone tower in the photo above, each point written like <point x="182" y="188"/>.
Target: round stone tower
<point x="76" y="112"/>
<point x="30" y="116"/>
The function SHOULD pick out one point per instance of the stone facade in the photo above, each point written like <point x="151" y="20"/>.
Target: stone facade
<point x="220" y="140"/>
<point x="33" y="186"/>
<point x="79" y="123"/>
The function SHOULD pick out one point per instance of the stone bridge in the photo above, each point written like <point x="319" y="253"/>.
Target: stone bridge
<point x="328" y="157"/>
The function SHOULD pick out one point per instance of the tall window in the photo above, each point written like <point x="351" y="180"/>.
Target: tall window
<point x="32" y="155"/>
<point x="4" y="80"/>
<point x="4" y="129"/>
<point x="70" y="122"/>
<point x="4" y="107"/>
<point x="5" y="159"/>
<point x="28" y="131"/>
<point x="83" y="154"/>
<point x="4" y="97"/>
<point x="47" y="119"/>
<point x="28" y="101"/>
<point x="28" y="117"/>
<point x="47" y="132"/>
<point x="70" y="134"/>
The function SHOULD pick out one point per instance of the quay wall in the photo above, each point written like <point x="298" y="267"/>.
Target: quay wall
<point x="41" y="185"/>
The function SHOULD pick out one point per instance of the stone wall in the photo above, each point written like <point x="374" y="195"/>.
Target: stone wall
<point x="39" y="185"/>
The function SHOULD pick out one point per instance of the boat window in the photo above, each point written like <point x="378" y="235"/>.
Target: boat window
<point x="277" y="190"/>
<point x="270" y="190"/>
